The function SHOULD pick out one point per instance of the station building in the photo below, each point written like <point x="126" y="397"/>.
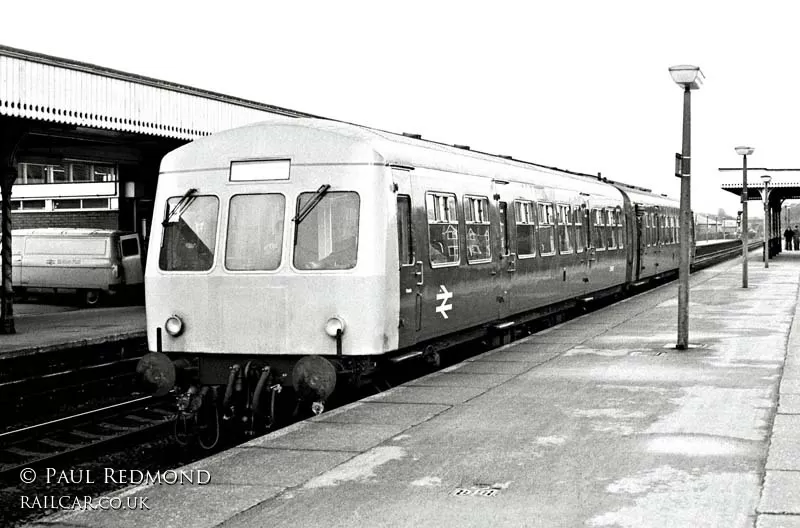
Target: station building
<point x="85" y="142"/>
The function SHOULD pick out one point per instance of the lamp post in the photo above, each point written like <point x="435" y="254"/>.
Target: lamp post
<point x="689" y="78"/>
<point x="744" y="152"/>
<point x="767" y="178"/>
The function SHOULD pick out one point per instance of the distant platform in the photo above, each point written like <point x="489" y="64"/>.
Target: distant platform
<point x="53" y="327"/>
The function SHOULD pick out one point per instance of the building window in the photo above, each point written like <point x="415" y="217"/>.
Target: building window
<point x="58" y="174"/>
<point x="71" y="172"/>
<point x="32" y="173"/>
<point x="62" y="204"/>
<point x="27" y="205"/>
<point x="81" y="172"/>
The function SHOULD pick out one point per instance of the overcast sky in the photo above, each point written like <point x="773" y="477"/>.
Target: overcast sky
<point x="581" y="85"/>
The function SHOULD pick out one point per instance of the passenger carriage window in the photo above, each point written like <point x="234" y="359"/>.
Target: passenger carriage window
<point x="673" y="236"/>
<point x="255" y="232"/>
<point x="442" y="228"/>
<point x="618" y="220"/>
<point x="327" y="237"/>
<point x="611" y="230"/>
<point x="648" y="236"/>
<point x="546" y="229"/>
<point x="667" y="229"/>
<point x="578" y="221"/>
<point x="654" y="230"/>
<point x="526" y="227"/>
<point x="564" y="228"/>
<point x="476" y="218"/>
<point x="404" y="230"/>
<point x="599" y="240"/>
<point x="190" y="233"/>
<point x="674" y="229"/>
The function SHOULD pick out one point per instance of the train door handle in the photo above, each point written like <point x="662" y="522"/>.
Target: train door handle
<point x="419" y="272"/>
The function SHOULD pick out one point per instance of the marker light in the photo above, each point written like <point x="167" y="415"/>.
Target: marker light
<point x="174" y="326"/>
<point x="334" y="326"/>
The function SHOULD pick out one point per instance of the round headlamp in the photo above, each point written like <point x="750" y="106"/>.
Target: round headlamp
<point x="174" y="326"/>
<point x="334" y="326"/>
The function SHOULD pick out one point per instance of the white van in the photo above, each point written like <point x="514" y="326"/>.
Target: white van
<point x="91" y="262"/>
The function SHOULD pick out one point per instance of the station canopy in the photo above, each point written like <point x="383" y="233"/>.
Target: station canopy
<point x="62" y="91"/>
<point x="781" y="187"/>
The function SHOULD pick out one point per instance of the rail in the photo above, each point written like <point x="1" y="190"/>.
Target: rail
<point x="69" y="435"/>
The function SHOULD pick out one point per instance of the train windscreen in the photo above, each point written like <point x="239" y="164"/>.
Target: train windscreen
<point x="190" y="232"/>
<point x="327" y="235"/>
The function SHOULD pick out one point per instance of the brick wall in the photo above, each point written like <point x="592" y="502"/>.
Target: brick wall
<point x="90" y="219"/>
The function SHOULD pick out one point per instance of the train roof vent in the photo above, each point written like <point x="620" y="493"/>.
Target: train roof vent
<point x="664" y="195"/>
<point x="412" y="136"/>
<point x="505" y="156"/>
<point x="465" y="147"/>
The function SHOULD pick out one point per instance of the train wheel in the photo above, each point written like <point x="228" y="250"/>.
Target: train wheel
<point x="91" y="297"/>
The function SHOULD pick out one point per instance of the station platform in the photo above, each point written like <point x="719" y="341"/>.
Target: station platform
<point x="596" y="422"/>
<point x="50" y="328"/>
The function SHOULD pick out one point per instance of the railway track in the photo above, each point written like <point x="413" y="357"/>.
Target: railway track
<point x="712" y="254"/>
<point x="54" y="383"/>
<point x="67" y="436"/>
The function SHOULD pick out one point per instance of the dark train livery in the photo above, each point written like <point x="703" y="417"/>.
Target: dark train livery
<point x="297" y="252"/>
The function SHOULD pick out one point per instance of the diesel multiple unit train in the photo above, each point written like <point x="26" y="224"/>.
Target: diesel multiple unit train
<point x="301" y="253"/>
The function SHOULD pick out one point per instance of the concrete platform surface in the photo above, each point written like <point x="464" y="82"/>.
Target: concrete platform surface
<point x="48" y="328"/>
<point x="596" y="422"/>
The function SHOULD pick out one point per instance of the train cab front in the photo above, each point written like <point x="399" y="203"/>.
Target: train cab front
<point x="255" y="287"/>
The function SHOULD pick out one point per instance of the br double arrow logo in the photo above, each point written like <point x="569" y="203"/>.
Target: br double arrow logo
<point x="444" y="296"/>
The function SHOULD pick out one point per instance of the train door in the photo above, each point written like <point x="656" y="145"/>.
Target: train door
<point x="588" y="255"/>
<point x="507" y="262"/>
<point x="410" y="259"/>
<point x="641" y="244"/>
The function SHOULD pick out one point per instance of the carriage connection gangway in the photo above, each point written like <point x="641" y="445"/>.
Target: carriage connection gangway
<point x="596" y="422"/>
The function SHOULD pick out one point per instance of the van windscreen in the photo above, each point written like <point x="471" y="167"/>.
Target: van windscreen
<point x="65" y="246"/>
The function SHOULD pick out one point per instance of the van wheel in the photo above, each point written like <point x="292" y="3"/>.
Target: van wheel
<point x="91" y="297"/>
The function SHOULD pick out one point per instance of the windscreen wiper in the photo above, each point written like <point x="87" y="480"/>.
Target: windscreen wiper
<point x="181" y="206"/>
<point x="311" y="204"/>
